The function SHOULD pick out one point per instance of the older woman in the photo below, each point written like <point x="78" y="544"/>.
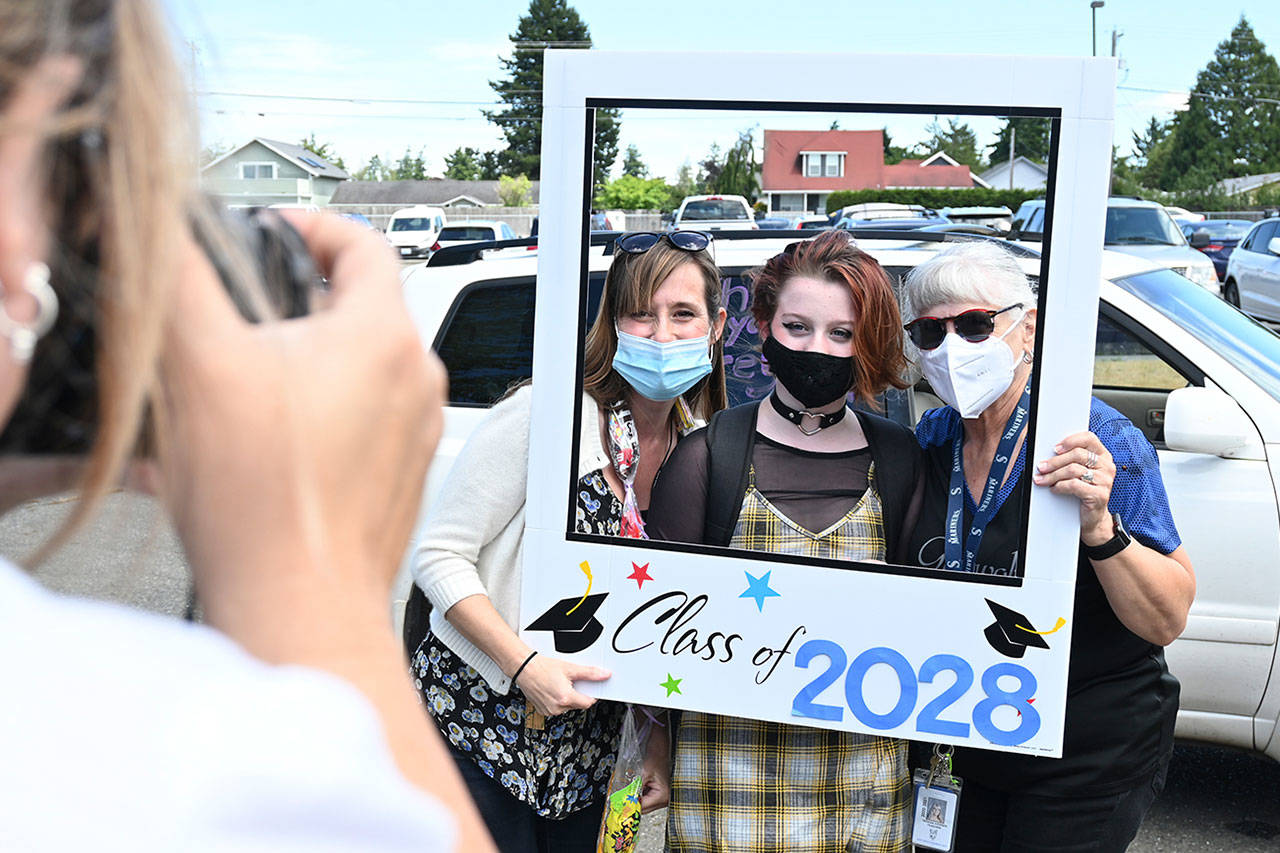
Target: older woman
<point x="973" y="322"/>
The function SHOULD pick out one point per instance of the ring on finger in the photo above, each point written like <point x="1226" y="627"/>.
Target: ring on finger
<point x="1092" y="461"/>
<point x="1087" y="476"/>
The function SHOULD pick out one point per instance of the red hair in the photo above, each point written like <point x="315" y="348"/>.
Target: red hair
<point x="879" y="361"/>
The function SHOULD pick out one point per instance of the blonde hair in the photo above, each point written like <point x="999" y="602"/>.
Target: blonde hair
<point x="122" y="182"/>
<point x="629" y="286"/>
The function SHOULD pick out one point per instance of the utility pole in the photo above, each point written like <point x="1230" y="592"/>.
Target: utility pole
<point x="1115" y="36"/>
<point x="1013" y="134"/>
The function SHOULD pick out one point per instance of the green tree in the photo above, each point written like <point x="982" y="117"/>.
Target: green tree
<point x="515" y="192"/>
<point x="1031" y="139"/>
<point x="893" y="153"/>
<point x="374" y="170"/>
<point x="410" y="167"/>
<point x="1145" y="142"/>
<point x="709" y="171"/>
<point x="462" y="165"/>
<point x="1232" y="88"/>
<point x="632" y="165"/>
<point x="548" y="23"/>
<point x="739" y="169"/>
<point x="630" y="192"/>
<point x="490" y="165"/>
<point x="322" y="150"/>
<point x="957" y="139"/>
<point x="1197" y="155"/>
<point x="686" y="184"/>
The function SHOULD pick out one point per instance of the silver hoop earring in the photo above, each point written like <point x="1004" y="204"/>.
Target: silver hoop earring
<point x="23" y="336"/>
<point x="1026" y="357"/>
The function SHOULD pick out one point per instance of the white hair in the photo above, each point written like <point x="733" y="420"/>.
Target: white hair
<point x="980" y="271"/>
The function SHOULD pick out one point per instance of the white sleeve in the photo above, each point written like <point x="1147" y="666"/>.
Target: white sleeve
<point x="483" y="492"/>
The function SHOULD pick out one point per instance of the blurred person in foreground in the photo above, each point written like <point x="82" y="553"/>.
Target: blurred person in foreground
<point x="291" y="456"/>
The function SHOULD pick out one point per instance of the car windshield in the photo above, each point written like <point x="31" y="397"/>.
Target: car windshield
<point x="1223" y="229"/>
<point x="1136" y="226"/>
<point x="472" y="233"/>
<point x="715" y="209"/>
<point x="413" y="223"/>
<point x="1248" y="345"/>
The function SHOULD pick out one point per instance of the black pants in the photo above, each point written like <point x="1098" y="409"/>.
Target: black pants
<point x="1026" y="822"/>
<point x="516" y="828"/>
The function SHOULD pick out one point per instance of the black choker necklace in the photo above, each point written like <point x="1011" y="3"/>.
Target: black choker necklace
<point x="797" y="416"/>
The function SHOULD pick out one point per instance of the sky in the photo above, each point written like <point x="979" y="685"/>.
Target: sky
<point x="382" y="76"/>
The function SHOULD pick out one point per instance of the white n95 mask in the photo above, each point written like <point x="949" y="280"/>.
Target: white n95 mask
<point x="969" y="376"/>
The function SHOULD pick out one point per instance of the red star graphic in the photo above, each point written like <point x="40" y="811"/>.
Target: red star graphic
<point x="640" y="575"/>
<point x="1029" y="701"/>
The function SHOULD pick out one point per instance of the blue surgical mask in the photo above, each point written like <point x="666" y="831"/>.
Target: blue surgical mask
<point x="662" y="370"/>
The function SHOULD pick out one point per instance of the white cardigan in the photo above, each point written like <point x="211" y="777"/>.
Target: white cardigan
<point x="474" y="536"/>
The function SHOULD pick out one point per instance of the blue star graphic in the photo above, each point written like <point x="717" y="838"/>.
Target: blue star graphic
<point x="758" y="588"/>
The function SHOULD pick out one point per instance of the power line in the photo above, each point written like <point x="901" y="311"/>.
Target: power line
<point x="1208" y="95"/>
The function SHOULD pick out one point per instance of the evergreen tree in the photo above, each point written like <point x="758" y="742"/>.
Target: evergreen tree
<point x="374" y="170"/>
<point x="893" y="153"/>
<point x="709" y="171"/>
<point x="1197" y="154"/>
<point x="957" y="139"/>
<point x="1144" y="143"/>
<point x="410" y="167"/>
<point x="1229" y="111"/>
<point x="738" y="170"/>
<point x="490" y="165"/>
<point x="632" y="165"/>
<point x="462" y="165"/>
<point x="548" y="23"/>
<point x="1031" y="139"/>
<point x="322" y="150"/>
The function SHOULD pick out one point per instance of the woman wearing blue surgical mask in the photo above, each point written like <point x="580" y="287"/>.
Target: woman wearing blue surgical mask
<point x="535" y="752"/>
<point x="974" y="323"/>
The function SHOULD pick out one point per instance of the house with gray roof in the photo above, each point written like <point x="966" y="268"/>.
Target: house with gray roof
<point x="263" y="172"/>
<point x="436" y="192"/>
<point x="1027" y="175"/>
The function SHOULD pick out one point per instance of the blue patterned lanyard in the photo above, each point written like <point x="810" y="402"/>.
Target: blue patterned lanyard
<point x="995" y="477"/>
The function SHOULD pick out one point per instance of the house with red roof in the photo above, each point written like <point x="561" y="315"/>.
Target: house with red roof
<point x="802" y="167"/>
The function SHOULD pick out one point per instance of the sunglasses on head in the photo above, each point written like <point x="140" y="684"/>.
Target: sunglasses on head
<point x="975" y="326"/>
<point x="639" y="242"/>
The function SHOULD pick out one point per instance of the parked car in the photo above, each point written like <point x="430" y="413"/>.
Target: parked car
<point x="1221" y="238"/>
<point x="1199" y="378"/>
<point x="774" y="223"/>
<point x="1182" y="216"/>
<point x="1135" y="227"/>
<point x="360" y="219"/>
<point x="811" y="222"/>
<point x="998" y="218"/>
<point x="472" y="231"/>
<point x="412" y="231"/>
<point x="1253" y="272"/>
<point x="902" y="218"/>
<point x="715" y="213"/>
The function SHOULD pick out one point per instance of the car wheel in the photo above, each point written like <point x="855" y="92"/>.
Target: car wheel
<point x="1231" y="293"/>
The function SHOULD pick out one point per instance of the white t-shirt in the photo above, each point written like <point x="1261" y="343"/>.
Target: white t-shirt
<point x="124" y="730"/>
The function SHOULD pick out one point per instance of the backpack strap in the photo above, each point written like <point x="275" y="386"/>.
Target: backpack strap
<point x="896" y="455"/>
<point x="730" y="437"/>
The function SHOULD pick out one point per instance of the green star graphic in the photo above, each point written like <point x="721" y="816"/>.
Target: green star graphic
<point x="672" y="684"/>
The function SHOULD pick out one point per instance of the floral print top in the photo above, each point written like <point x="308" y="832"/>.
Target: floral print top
<point x="558" y="769"/>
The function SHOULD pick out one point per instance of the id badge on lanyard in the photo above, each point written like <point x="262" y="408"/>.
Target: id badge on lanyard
<point x="962" y="546"/>
<point x="937" y="804"/>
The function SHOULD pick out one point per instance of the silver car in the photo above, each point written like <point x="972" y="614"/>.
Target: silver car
<point x="1253" y="272"/>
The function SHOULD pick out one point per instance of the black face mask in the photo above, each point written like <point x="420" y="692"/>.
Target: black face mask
<point x="813" y="378"/>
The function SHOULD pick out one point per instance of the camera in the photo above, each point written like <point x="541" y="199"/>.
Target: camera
<point x="58" y="410"/>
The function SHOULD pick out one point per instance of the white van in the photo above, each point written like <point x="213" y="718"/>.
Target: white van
<point x="413" y="231"/>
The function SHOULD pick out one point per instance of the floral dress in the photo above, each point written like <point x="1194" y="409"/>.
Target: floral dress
<point x="555" y="770"/>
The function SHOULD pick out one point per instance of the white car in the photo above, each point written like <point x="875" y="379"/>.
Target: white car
<point x="715" y="213"/>
<point x="1252" y="282"/>
<point x="412" y="231"/>
<point x="472" y="231"/>
<point x="1135" y="227"/>
<point x="1198" y="377"/>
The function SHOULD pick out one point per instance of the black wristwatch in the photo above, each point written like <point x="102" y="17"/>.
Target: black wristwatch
<point x="1112" y="546"/>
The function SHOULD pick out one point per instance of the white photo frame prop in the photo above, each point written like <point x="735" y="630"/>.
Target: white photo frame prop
<point x="888" y="650"/>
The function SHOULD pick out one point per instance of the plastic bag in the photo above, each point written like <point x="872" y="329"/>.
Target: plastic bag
<point x="621" y="822"/>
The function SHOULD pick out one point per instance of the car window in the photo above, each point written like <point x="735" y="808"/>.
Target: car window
<point x="469" y="233"/>
<point x="1122" y="361"/>
<point x="1135" y="226"/>
<point x="1035" y="220"/>
<point x="1249" y="346"/>
<point x="411" y="223"/>
<point x="507" y="233"/>
<point x="1262" y="237"/>
<point x="715" y="209"/>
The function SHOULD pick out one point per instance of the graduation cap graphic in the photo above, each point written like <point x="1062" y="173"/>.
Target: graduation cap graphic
<point x="572" y="621"/>
<point x="1012" y="632"/>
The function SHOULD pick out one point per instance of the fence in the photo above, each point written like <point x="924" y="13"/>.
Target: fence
<point x="1251" y="215"/>
<point x="519" y="218"/>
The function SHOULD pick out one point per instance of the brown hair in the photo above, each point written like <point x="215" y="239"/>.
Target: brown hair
<point x="877" y="341"/>
<point x="122" y="182"/>
<point x="629" y="286"/>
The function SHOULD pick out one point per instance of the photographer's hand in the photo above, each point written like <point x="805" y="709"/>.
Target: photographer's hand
<point x="294" y="472"/>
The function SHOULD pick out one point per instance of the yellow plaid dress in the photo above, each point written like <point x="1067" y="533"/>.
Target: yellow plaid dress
<point x="750" y="786"/>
